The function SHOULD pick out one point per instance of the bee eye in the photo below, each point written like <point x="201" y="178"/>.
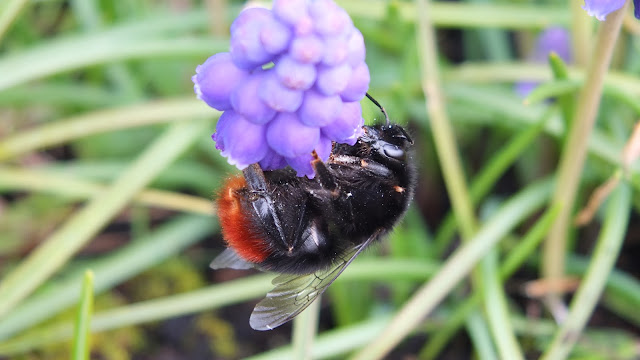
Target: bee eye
<point x="404" y="136"/>
<point x="393" y="151"/>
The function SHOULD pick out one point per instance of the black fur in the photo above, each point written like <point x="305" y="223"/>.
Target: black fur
<point x="362" y="190"/>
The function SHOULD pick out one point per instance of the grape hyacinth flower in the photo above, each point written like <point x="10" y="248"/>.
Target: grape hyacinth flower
<point x="601" y="8"/>
<point x="291" y="84"/>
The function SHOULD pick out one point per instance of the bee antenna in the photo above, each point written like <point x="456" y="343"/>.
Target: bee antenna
<point x="379" y="106"/>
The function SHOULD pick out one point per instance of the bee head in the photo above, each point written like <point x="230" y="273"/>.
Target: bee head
<point x="386" y="143"/>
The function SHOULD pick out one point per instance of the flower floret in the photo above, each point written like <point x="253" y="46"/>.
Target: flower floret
<point x="290" y="85"/>
<point x="601" y="8"/>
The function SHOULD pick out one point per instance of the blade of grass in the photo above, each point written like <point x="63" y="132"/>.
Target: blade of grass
<point x="442" y="132"/>
<point x="103" y="121"/>
<point x="595" y="342"/>
<point x="497" y="311"/>
<point x="622" y="292"/>
<point x="60" y="246"/>
<point x="88" y="14"/>
<point x="562" y="88"/>
<point x="630" y="100"/>
<point x="465" y="15"/>
<point x="110" y="270"/>
<point x="516" y="257"/>
<point x="81" y="335"/>
<point x="332" y="344"/>
<point x="64" y="55"/>
<point x="443" y="137"/>
<point x="457" y="267"/>
<point x="202" y="176"/>
<point x="592" y="285"/>
<point x="305" y="327"/>
<point x="494" y="169"/>
<point x="337" y="343"/>
<point x="503" y="102"/>
<point x="20" y="179"/>
<point x="494" y="42"/>
<point x="552" y="89"/>
<point x="162" y="308"/>
<point x="479" y="334"/>
<point x="566" y="101"/>
<point x="62" y="95"/>
<point x="491" y="73"/>
<point x="205" y="299"/>
<point x="350" y="302"/>
<point x="620" y="286"/>
<point x="132" y="41"/>
<point x="8" y="12"/>
<point x="409" y="240"/>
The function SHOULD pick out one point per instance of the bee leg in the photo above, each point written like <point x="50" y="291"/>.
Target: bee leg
<point x="263" y="205"/>
<point x="323" y="174"/>
<point x="343" y="203"/>
<point x="256" y="182"/>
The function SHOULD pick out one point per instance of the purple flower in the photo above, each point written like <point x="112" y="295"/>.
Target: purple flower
<point x="302" y="163"/>
<point x="348" y="126"/>
<point x="290" y="84"/>
<point x="247" y="49"/>
<point x="277" y="95"/>
<point x="246" y="102"/>
<point x="291" y="138"/>
<point x="329" y="18"/>
<point x="553" y="39"/>
<point x="333" y="79"/>
<point x="275" y="36"/>
<point x="319" y="110"/>
<point x="307" y="49"/>
<point x="357" y="86"/>
<point x="273" y="161"/>
<point x="243" y="142"/>
<point x="601" y="8"/>
<point x="216" y="79"/>
<point x="294" y="74"/>
<point x="356" y="51"/>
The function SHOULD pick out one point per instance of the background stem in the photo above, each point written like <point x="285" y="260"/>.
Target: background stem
<point x="575" y="149"/>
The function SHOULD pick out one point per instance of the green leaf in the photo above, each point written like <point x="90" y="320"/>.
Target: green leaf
<point x="52" y="254"/>
<point x="81" y="337"/>
<point x="110" y="270"/>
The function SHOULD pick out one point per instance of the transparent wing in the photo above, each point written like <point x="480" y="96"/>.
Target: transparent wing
<point x="230" y="259"/>
<point x="293" y="293"/>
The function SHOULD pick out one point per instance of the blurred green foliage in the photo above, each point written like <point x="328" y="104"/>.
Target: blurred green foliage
<point x="96" y="92"/>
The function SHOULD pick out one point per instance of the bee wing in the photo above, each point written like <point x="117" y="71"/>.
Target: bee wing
<point x="293" y="293"/>
<point x="230" y="259"/>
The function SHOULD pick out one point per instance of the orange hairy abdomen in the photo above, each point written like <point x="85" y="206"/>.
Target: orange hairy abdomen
<point x="237" y="228"/>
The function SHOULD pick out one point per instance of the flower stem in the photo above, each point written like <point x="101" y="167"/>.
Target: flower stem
<point x="592" y="285"/>
<point x="575" y="149"/>
<point x="581" y="25"/>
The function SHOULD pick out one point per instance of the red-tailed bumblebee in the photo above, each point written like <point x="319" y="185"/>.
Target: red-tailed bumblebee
<point x="309" y="230"/>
